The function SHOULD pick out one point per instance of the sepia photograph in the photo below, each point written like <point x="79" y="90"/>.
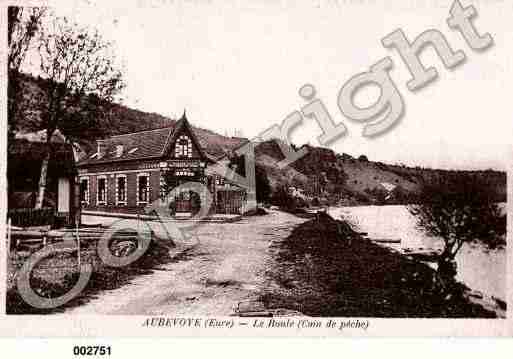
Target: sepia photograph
<point x="258" y="165"/>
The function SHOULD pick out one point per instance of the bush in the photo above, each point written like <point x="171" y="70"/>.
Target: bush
<point x="459" y="212"/>
<point x="286" y="201"/>
<point x="262" y="184"/>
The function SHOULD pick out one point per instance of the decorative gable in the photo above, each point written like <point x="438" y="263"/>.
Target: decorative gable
<point x="183" y="147"/>
<point x="183" y="143"/>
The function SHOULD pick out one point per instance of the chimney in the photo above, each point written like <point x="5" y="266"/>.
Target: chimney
<point x="101" y="148"/>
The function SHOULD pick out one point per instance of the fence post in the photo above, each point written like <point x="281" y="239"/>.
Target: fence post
<point x="78" y="247"/>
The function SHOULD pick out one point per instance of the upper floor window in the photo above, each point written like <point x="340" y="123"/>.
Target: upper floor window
<point x="121" y="189"/>
<point x="183" y="147"/>
<point x="102" y="190"/>
<point x="219" y="181"/>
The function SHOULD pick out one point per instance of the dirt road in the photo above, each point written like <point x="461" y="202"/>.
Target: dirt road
<point x="228" y="266"/>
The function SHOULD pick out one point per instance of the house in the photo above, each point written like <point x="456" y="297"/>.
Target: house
<point x="25" y="155"/>
<point x="129" y="172"/>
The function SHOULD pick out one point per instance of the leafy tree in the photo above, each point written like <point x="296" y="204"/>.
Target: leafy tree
<point x="79" y="68"/>
<point x="379" y="195"/>
<point x="22" y="28"/>
<point x="262" y="184"/>
<point x="459" y="212"/>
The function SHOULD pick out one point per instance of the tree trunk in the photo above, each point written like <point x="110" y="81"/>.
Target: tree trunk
<point x="44" y="170"/>
<point x="42" y="180"/>
<point x="13" y="99"/>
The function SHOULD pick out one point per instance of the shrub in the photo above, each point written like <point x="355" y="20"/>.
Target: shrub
<point x="459" y="212"/>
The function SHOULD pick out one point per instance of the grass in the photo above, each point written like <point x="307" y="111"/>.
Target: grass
<point x="325" y="269"/>
<point x="55" y="275"/>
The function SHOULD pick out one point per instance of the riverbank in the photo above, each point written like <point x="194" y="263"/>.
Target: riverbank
<point x="322" y="269"/>
<point x="479" y="268"/>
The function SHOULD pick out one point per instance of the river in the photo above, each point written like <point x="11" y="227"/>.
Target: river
<point x="478" y="268"/>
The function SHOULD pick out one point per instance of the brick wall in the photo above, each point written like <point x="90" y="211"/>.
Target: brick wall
<point x="131" y="183"/>
<point x="154" y="186"/>
<point x="111" y="190"/>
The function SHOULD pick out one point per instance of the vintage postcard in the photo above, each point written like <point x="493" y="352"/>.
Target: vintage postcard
<point x="256" y="168"/>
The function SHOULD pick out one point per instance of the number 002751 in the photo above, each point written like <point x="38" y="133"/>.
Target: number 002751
<point x="91" y="350"/>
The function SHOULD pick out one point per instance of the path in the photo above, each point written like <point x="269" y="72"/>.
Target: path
<point x="228" y="266"/>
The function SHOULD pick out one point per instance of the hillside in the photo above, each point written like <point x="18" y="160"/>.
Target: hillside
<point x="120" y="119"/>
<point x="322" y="173"/>
<point x="343" y="179"/>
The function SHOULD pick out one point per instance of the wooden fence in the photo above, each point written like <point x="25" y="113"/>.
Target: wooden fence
<point x="230" y="202"/>
<point x="31" y="217"/>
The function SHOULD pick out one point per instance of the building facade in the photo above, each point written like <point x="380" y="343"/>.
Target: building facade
<point x="130" y="172"/>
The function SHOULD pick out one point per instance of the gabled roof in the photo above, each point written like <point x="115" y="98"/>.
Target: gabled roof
<point x="143" y="145"/>
<point x="137" y="145"/>
<point x="24" y="154"/>
<point x="184" y="125"/>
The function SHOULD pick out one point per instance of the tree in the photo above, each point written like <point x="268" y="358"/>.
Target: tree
<point x="22" y="26"/>
<point x="82" y="81"/>
<point x="459" y="212"/>
<point x="262" y="184"/>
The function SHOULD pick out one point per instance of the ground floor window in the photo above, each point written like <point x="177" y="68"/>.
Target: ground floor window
<point x="102" y="190"/>
<point x="121" y="189"/>
<point x="143" y="188"/>
<point x="84" y="191"/>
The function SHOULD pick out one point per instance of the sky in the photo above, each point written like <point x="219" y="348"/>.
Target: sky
<point x="236" y="67"/>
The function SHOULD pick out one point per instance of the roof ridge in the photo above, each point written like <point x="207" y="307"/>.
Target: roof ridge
<point x="133" y="133"/>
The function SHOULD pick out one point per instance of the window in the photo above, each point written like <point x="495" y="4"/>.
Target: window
<point x="121" y="189"/>
<point x="143" y="188"/>
<point x="163" y="186"/>
<point x="183" y="147"/>
<point x="102" y="190"/>
<point x="84" y="191"/>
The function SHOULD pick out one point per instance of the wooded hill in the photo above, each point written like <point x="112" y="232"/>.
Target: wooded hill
<point x="322" y="174"/>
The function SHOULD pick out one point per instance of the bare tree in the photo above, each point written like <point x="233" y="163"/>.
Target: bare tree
<point x="459" y="212"/>
<point x="81" y="76"/>
<point x="23" y="25"/>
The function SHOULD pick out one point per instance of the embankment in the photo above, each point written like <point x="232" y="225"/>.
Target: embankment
<point x="323" y="268"/>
